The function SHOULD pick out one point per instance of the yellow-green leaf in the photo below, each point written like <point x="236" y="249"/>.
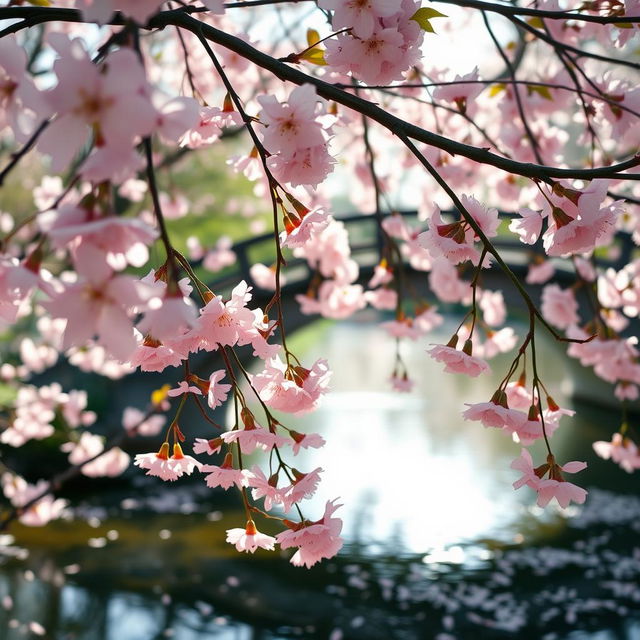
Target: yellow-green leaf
<point x="536" y="23"/>
<point x="496" y="89"/>
<point x="160" y="395"/>
<point x="312" y="37"/>
<point x="623" y="25"/>
<point x="423" y="16"/>
<point x="314" y="56"/>
<point x="540" y="90"/>
<point x="40" y="3"/>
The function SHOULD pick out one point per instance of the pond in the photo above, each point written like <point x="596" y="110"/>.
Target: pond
<point x="438" y="545"/>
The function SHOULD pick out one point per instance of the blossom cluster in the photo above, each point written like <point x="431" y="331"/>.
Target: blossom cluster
<point x="111" y="107"/>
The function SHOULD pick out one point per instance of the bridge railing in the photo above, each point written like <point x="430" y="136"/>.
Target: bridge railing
<point x="366" y="247"/>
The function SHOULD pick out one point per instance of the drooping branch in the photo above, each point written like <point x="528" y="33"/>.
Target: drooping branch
<point x="329" y="91"/>
<point x="391" y="88"/>
<point x="509" y="10"/>
<point x="488" y="245"/>
<point x="392" y="123"/>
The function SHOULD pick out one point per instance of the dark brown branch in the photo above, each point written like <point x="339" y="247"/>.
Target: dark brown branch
<point x="535" y="147"/>
<point x="488" y="245"/>
<point x="505" y="81"/>
<point x="330" y="92"/>
<point x="511" y="10"/>
<point x="542" y="35"/>
<point x="18" y="155"/>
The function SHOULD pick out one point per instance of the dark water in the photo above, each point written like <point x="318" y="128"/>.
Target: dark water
<point x="438" y="545"/>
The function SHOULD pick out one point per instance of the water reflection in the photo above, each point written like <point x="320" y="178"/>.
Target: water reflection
<point x="413" y="474"/>
<point x="438" y="544"/>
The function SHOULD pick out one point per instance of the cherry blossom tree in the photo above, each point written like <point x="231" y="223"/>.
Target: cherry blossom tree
<point x="538" y="149"/>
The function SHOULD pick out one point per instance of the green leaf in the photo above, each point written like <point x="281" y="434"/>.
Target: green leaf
<point x="423" y="16"/>
<point x="312" y="37"/>
<point x="496" y="89"/>
<point x="540" y="90"/>
<point x="314" y="56"/>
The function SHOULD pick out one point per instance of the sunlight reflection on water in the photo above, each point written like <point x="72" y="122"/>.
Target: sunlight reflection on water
<point x="412" y="474"/>
<point x="436" y="538"/>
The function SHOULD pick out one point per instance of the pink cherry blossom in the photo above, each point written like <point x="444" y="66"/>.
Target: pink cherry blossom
<point x="564" y="492"/>
<point x="518" y="395"/>
<point x="457" y="361"/>
<point x="487" y="219"/>
<point x="249" y="538"/>
<point x="182" y="388"/>
<point x="378" y="59"/>
<point x="221" y="256"/>
<point x="463" y="94"/>
<point x="264" y="277"/>
<point x="492" y="414"/>
<point x="494" y="311"/>
<point x="225" y="323"/>
<point x="20" y="493"/>
<point x="304" y="486"/>
<point x="335" y="300"/>
<point x="168" y="317"/>
<point x="114" y="101"/>
<point x="210" y="447"/>
<point x="303" y="167"/>
<point x="226" y="475"/>
<point x="175" y="117"/>
<point x="305" y="441"/>
<point x="626" y="391"/>
<point x="621" y="450"/>
<point x="292" y="389"/>
<point x="304" y="229"/>
<point x="152" y="355"/>
<point x="402" y="328"/>
<point x="117" y="241"/>
<point x="110" y="463"/>
<point x="554" y="486"/>
<point x="255" y="437"/>
<point x="540" y="273"/>
<point x="218" y="391"/>
<point x="382" y="298"/>
<point x="559" y="306"/>
<point x="263" y="487"/>
<point x="528" y="227"/>
<point x="167" y="468"/>
<point x="452" y="241"/>
<point x="99" y="309"/>
<point x="361" y="15"/>
<point x="402" y="384"/>
<point x="133" y="420"/>
<point x="524" y="464"/>
<point x="101" y="10"/>
<point x="497" y="342"/>
<point x="291" y="126"/>
<point x="315" y="541"/>
<point x="73" y="409"/>
<point x="17" y="281"/>
<point x="578" y="228"/>
<point x="530" y="428"/>
<point x="34" y="412"/>
<point x="21" y="104"/>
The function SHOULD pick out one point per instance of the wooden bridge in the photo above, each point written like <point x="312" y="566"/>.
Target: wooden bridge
<point x="366" y="242"/>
